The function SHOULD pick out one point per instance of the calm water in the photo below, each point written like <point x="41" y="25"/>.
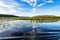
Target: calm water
<point x="29" y="30"/>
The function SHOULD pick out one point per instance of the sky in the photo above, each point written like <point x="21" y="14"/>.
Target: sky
<point x="30" y="7"/>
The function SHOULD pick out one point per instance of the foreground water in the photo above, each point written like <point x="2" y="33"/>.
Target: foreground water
<point x="29" y="30"/>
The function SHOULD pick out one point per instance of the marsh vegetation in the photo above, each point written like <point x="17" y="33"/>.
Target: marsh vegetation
<point x="44" y="18"/>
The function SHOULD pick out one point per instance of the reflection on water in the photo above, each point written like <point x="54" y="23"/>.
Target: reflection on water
<point x="29" y="30"/>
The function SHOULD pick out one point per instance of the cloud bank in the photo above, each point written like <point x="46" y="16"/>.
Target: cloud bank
<point x="9" y="7"/>
<point x="12" y="7"/>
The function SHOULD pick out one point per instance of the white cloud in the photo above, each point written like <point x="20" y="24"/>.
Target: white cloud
<point x="50" y="1"/>
<point x="34" y="2"/>
<point x="9" y="7"/>
<point x="12" y="7"/>
<point x="42" y="4"/>
<point x="31" y="2"/>
<point x="45" y="2"/>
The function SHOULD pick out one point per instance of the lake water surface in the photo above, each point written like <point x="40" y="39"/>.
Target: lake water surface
<point x="29" y="30"/>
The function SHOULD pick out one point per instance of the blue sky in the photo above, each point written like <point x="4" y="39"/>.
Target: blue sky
<point x="30" y="7"/>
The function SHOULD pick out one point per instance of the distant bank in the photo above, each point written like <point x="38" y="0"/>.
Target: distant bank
<point x="38" y="17"/>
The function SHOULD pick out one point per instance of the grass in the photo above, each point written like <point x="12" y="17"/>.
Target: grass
<point x="45" y="18"/>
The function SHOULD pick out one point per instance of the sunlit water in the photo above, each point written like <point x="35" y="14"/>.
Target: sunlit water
<point x="19" y="28"/>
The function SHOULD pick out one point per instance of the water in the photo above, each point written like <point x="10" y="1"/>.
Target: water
<point x="29" y="30"/>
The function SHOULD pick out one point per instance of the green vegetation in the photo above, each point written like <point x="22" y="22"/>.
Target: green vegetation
<point x="44" y="18"/>
<point x="37" y="18"/>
